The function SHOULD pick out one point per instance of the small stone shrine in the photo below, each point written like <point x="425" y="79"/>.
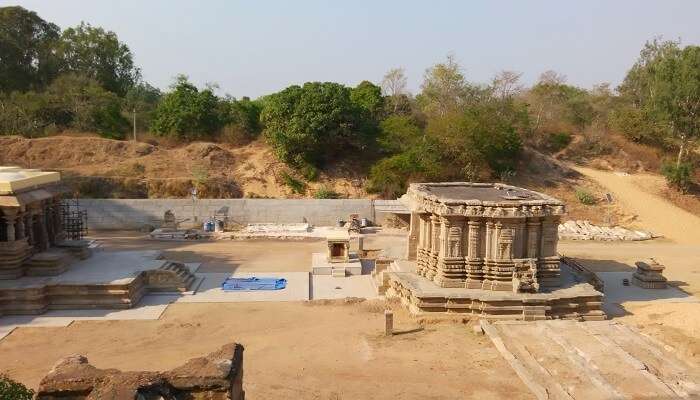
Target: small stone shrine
<point x="648" y="275"/>
<point x="338" y="248"/>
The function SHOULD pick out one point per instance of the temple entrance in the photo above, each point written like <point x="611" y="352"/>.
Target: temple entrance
<point x="337" y="250"/>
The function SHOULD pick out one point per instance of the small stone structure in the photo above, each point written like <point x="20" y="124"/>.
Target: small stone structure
<point x="648" y="275"/>
<point x="218" y="376"/>
<point x="338" y="260"/>
<point x="487" y="249"/>
<point x="338" y="248"/>
<point x="30" y="222"/>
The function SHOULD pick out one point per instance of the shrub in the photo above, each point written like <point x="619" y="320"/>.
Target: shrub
<point x="296" y="185"/>
<point x="585" y="197"/>
<point x="679" y="177"/>
<point x="558" y="141"/>
<point x="326" y="193"/>
<point x="12" y="390"/>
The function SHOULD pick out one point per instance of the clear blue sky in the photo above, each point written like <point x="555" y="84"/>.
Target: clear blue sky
<point x="258" y="47"/>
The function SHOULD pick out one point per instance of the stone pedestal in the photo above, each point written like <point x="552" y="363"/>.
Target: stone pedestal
<point x="648" y="275"/>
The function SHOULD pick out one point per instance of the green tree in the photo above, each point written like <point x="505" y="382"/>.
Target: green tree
<point x="94" y="52"/>
<point x="187" y="112"/>
<point x="306" y="124"/>
<point x="142" y="98"/>
<point x="69" y="102"/>
<point x="664" y="86"/>
<point x="79" y="102"/>
<point x="368" y="97"/>
<point x="27" y="60"/>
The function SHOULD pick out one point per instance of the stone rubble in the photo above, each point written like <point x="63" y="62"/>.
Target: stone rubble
<point x="584" y="230"/>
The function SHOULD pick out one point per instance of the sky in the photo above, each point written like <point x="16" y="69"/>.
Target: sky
<point x="252" y="48"/>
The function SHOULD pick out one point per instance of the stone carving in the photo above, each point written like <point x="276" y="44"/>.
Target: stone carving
<point x="525" y="276"/>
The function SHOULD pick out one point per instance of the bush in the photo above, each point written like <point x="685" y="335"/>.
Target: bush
<point x="558" y="141"/>
<point x="326" y="193"/>
<point x="585" y="197"/>
<point x="296" y="185"/>
<point x="679" y="177"/>
<point x="12" y="390"/>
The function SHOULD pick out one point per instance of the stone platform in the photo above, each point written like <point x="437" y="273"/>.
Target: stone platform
<point x="321" y="266"/>
<point x="574" y="299"/>
<point x="108" y="280"/>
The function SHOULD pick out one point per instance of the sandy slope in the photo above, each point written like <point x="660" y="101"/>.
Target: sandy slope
<point x="654" y="212"/>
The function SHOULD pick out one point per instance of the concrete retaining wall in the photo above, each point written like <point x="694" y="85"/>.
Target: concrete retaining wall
<point x="113" y="214"/>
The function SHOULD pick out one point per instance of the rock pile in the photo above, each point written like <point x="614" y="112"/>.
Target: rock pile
<point x="218" y="376"/>
<point x="584" y="230"/>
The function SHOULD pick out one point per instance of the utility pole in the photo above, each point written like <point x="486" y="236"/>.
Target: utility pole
<point x="134" y="124"/>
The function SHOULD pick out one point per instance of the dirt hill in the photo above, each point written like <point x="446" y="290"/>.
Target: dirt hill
<point x="110" y="168"/>
<point x="97" y="167"/>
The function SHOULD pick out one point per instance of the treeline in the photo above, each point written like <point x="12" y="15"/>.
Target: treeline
<point x="83" y="78"/>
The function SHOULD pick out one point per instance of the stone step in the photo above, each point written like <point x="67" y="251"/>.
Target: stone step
<point x="590" y="360"/>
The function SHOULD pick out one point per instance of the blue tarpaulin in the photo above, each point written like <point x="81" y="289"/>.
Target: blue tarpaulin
<point x="254" y="283"/>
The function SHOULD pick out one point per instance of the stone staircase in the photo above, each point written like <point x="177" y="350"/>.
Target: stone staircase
<point x="37" y="299"/>
<point x="51" y="262"/>
<point x="338" y="272"/>
<point x="592" y="360"/>
<point x="41" y="296"/>
<point x="171" y="276"/>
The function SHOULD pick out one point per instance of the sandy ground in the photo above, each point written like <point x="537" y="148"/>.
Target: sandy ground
<point x="653" y="212"/>
<point x="674" y="323"/>
<point x="292" y="350"/>
<point x="223" y="255"/>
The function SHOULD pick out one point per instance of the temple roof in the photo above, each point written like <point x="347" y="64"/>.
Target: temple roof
<point x="469" y="198"/>
<point x="15" y="179"/>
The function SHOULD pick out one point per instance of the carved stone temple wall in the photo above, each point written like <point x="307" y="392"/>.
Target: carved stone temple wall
<point x="485" y="236"/>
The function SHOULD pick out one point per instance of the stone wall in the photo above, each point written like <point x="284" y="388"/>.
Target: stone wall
<point x="114" y="214"/>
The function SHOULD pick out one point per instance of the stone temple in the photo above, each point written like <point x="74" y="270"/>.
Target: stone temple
<point x="490" y="249"/>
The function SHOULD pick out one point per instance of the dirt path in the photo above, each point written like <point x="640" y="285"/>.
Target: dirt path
<point x="654" y="213"/>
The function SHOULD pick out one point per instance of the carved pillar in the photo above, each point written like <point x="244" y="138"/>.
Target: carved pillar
<point x="434" y="245"/>
<point x="413" y="235"/>
<point x="20" y="232"/>
<point x="423" y="253"/>
<point x="548" y="270"/>
<point x="29" y="226"/>
<point x="9" y="217"/>
<point x="533" y="238"/>
<point x="450" y="267"/>
<point x="474" y="264"/>
<point x="489" y="240"/>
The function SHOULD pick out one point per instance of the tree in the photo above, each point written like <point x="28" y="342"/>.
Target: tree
<point x="69" y="102"/>
<point x="444" y="88"/>
<point x="394" y="86"/>
<point x="94" y="52"/>
<point x="306" y="124"/>
<point x="143" y="99"/>
<point x="26" y="50"/>
<point x="506" y="84"/>
<point x="368" y="97"/>
<point x="187" y="112"/>
<point x="79" y="102"/>
<point x="664" y="86"/>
